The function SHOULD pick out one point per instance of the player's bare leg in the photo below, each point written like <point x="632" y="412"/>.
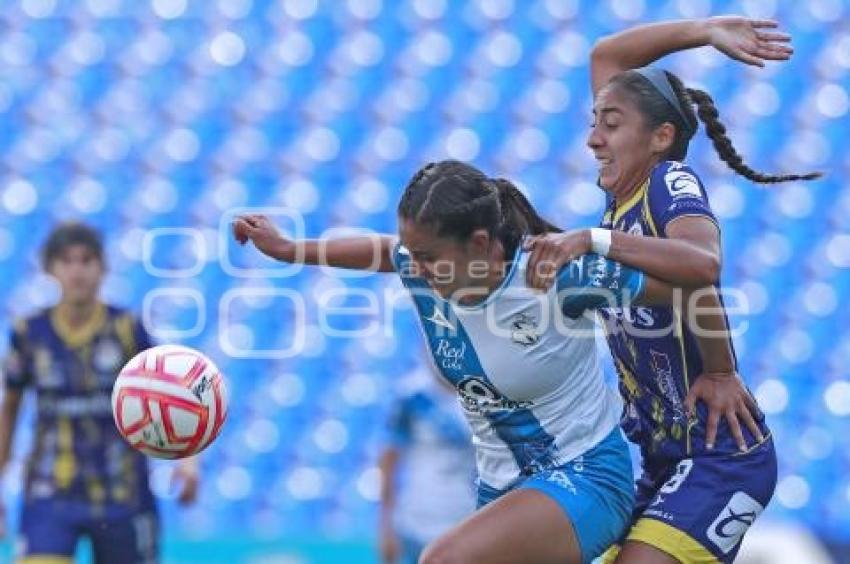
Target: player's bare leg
<point x="522" y="526"/>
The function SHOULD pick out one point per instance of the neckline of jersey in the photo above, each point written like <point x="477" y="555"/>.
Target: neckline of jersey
<point x="76" y="337"/>
<point x="620" y="211"/>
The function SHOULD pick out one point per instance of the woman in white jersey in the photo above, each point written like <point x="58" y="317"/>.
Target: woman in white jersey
<point x="554" y="473"/>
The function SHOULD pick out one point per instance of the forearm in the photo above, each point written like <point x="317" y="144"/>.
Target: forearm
<point x="706" y="319"/>
<point x="641" y="45"/>
<point x="387" y="464"/>
<point x="371" y="252"/>
<point x="189" y="464"/>
<point x="8" y="417"/>
<point x="676" y="261"/>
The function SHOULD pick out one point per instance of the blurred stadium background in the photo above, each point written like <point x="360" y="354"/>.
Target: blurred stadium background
<point x="145" y="118"/>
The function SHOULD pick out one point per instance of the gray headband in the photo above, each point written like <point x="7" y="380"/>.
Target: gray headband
<point x="658" y="78"/>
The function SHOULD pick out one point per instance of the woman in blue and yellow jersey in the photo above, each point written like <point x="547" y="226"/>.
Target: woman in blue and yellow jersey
<point x="82" y="479"/>
<point x="706" y="476"/>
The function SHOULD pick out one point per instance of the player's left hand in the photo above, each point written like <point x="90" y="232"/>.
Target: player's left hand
<point x="187" y="478"/>
<point x="550" y="252"/>
<point x="748" y="40"/>
<point x="724" y="394"/>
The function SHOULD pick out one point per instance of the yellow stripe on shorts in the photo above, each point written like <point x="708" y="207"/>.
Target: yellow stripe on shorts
<point x="671" y="540"/>
<point x="610" y="555"/>
<point x="45" y="559"/>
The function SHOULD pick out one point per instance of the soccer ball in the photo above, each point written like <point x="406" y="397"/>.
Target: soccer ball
<point x="169" y="401"/>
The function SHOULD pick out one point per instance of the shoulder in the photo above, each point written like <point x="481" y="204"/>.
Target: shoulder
<point x="122" y="317"/>
<point x="27" y="324"/>
<point x="117" y="312"/>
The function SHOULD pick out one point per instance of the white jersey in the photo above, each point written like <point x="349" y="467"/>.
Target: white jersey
<point x="529" y="376"/>
<point x="437" y="462"/>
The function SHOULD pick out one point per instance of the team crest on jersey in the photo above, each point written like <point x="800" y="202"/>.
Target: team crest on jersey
<point x="107" y="357"/>
<point x="734" y="520"/>
<point x="524" y="330"/>
<point x="682" y="183"/>
<point x="635" y="229"/>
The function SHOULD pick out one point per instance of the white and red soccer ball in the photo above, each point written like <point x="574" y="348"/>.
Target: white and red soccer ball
<point x="169" y="401"/>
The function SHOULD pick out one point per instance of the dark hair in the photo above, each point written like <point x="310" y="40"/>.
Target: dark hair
<point x="656" y="110"/>
<point x="456" y="199"/>
<point x="67" y="234"/>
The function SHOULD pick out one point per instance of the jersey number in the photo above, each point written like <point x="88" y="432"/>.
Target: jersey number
<point x="675" y="482"/>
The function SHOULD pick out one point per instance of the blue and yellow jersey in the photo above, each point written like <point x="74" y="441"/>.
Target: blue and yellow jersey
<point x="78" y="452"/>
<point x="654" y="352"/>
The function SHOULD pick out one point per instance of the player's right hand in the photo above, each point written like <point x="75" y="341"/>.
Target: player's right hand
<point x="262" y="232"/>
<point x="748" y="40"/>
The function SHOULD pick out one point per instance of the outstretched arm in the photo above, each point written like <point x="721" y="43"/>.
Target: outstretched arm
<point x="747" y="40"/>
<point x="368" y="252"/>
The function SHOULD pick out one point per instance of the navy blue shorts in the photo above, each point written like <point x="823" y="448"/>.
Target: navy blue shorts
<point x="595" y="491"/>
<point x="52" y="528"/>
<point x="698" y="509"/>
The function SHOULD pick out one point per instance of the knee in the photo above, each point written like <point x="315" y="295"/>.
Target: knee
<point x="444" y="550"/>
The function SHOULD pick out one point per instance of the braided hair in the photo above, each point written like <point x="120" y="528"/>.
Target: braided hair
<point x="457" y="199"/>
<point x="656" y="110"/>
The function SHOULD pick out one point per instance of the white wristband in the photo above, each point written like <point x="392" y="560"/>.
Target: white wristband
<point x="600" y="241"/>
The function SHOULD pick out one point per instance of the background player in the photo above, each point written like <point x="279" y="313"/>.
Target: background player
<point x="82" y="479"/>
<point x="427" y="467"/>
<point x="702" y="486"/>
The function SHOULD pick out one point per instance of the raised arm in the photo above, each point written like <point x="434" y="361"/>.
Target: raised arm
<point x="367" y="252"/>
<point x="747" y="40"/>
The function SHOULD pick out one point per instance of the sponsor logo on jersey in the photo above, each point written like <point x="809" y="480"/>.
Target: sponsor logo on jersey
<point x="733" y="521"/>
<point x="450" y="354"/>
<point x="97" y="404"/>
<point x="636" y="316"/>
<point x="681" y="183"/>
<point x="479" y="396"/>
<point x="524" y="330"/>
<point x="660" y="363"/>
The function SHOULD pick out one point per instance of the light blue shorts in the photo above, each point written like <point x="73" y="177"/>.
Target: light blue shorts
<point x="595" y="490"/>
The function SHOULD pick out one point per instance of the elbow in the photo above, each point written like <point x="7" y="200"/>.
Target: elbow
<point x="599" y="49"/>
<point x="707" y="272"/>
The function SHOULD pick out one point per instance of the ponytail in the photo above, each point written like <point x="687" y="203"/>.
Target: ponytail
<point x="716" y="131"/>
<point x="647" y="88"/>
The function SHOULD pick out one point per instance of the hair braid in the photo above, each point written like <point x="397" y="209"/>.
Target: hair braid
<point x="716" y="131"/>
